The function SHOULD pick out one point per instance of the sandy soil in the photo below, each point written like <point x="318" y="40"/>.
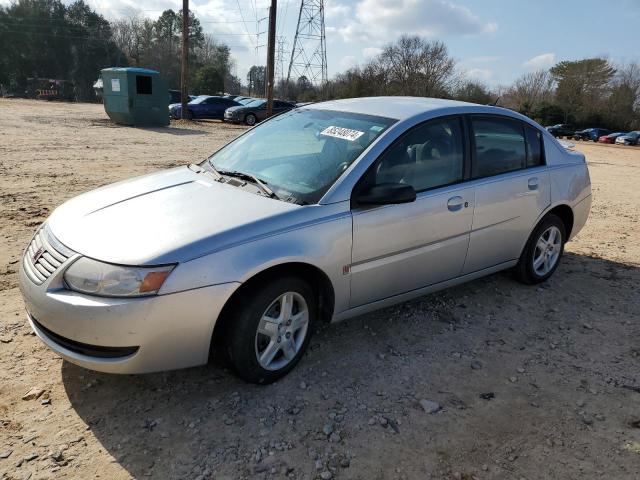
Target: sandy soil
<point x="533" y="382"/>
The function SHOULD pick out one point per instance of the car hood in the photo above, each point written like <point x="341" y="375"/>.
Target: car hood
<point x="170" y="216"/>
<point x="236" y="108"/>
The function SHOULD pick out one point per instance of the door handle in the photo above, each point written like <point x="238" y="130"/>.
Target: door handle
<point x="455" y="203"/>
<point x="533" y="183"/>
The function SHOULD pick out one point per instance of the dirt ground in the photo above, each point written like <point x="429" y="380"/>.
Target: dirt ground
<point x="533" y="382"/>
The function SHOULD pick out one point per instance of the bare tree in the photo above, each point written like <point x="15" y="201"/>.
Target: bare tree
<point x="623" y="104"/>
<point x="414" y="66"/>
<point x="529" y="92"/>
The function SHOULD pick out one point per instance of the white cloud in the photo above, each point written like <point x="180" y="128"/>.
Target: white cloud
<point x="336" y="10"/>
<point x="483" y="74"/>
<point x="380" y="18"/>
<point x="348" y="61"/>
<point x="483" y="59"/>
<point x="370" y="52"/>
<point x="545" y="60"/>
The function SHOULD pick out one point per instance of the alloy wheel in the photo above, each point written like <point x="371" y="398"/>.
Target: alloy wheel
<point x="547" y="251"/>
<point x="282" y="331"/>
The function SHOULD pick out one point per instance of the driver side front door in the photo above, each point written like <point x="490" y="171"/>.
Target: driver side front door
<point x="404" y="247"/>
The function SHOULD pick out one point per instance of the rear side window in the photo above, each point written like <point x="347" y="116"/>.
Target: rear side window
<point x="143" y="85"/>
<point x="535" y="156"/>
<point x="499" y="146"/>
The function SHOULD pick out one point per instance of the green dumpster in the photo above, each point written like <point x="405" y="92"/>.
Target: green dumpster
<point x="135" y="96"/>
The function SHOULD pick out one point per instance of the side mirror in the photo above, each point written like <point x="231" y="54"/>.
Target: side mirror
<point x="387" y="194"/>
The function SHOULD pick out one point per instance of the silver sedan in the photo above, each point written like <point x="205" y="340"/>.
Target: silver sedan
<point x="325" y="212"/>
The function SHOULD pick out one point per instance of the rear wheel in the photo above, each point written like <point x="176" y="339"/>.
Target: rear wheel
<point x="543" y="251"/>
<point x="271" y="329"/>
<point x="250" y="119"/>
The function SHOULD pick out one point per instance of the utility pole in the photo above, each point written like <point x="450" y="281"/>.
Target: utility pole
<point x="271" y="48"/>
<point x="185" y="59"/>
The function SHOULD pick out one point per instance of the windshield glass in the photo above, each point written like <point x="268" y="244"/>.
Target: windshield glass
<point x="245" y="101"/>
<point x="256" y="103"/>
<point x="198" y="100"/>
<point x="301" y="153"/>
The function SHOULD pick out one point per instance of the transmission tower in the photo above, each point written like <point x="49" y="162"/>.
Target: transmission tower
<point x="309" y="53"/>
<point x="280" y="54"/>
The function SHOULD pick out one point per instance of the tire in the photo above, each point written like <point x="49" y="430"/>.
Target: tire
<point x="536" y="263"/>
<point x="250" y="119"/>
<point x="250" y="348"/>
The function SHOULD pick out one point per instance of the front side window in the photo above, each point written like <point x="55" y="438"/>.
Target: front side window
<point x="430" y="155"/>
<point x="301" y="153"/>
<point x="499" y="146"/>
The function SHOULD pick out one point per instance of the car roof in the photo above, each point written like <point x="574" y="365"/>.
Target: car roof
<point x="399" y="108"/>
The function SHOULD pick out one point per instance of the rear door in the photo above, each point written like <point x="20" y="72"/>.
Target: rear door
<point x="511" y="188"/>
<point x="399" y="248"/>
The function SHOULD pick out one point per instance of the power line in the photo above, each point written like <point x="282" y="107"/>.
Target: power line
<point x="284" y="19"/>
<point x="81" y="37"/>
<point x="245" y="25"/>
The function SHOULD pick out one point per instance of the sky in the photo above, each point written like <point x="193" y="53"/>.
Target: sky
<point x="494" y="41"/>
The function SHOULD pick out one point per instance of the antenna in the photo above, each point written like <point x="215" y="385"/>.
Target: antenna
<point x="309" y="53"/>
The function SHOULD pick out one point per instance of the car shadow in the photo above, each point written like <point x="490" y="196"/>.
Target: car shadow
<point x="193" y="422"/>
<point x="172" y="130"/>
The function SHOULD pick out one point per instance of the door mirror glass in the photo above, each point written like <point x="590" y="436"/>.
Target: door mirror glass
<point x="387" y="194"/>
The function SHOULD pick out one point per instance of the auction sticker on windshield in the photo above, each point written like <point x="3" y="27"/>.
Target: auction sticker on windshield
<point x="344" y="133"/>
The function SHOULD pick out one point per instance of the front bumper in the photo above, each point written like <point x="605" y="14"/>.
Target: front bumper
<point x="230" y="117"/>
<point x="125" y="335"/>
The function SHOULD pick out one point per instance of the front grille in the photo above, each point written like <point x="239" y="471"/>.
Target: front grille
<point x="84" y="348"/>
<point x="42" y="259"/>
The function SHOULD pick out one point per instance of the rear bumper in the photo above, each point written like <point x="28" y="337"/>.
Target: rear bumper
<point x="126" y="335"/>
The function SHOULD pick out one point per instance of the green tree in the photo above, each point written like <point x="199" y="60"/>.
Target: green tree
<point x="209" y="79"/>
<point x="256" y="80"/>
<point x="45" y="38"/>
<point x="582" y="86"/>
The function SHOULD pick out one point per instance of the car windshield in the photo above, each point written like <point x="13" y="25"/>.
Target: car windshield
<point x="301" y="153"/>
<point x="255" y="103"/>
<point x="198" y="100"/>
<point x="245" y="101"/>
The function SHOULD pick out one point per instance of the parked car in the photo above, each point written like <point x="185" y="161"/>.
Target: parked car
<point x="320" y="214"/>
<point x="205" y="107"/>
<point x="562" y="130"/>
<point x="255" y="111"/>
<point x="610" y="138"/>
<point x="178" y="104"/>
<point x="592" y="134"/>
<point x="175" y="97"/>
<point x="631" y="138"/>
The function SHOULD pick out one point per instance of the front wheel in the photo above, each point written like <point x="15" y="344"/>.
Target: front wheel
<point x="250" y="119"/>
<point x="271" y="329"/>
<point x="543" y="251"/>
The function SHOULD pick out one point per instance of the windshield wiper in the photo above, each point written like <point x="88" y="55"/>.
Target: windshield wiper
<point x="251" y="178"/>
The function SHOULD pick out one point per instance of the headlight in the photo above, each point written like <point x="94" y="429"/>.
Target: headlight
<point x="97" y="278"/>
